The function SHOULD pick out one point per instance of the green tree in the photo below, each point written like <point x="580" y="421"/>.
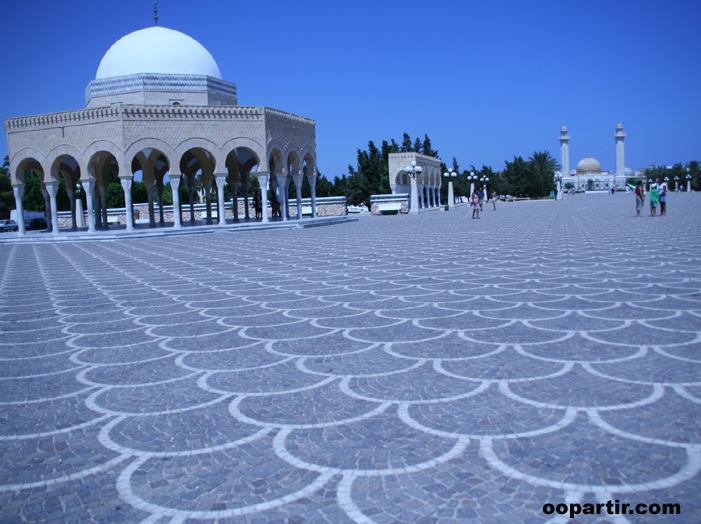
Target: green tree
<point x="340" y="186"/>
<point x="372" y="174"/>
<point x="63" y="202"/>
<point x="544" y="167"/>
<point x="139" y="195"/>
<point x="518" y="175"/>
<point x="426" y="148"/>
<point x="115" y="195"/>
<point x="406" y="146"/>
<point x="7" y="196"/>
<point x="168" y="195"/>
<point x="32" y="200"/>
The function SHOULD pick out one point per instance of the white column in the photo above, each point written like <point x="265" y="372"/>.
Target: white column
<point x="245" y="196"/>
<point x="159" y="197"/>
<point x="19" y="206"/>
<point x="175" y="186"/>
<point x="79" y="215"/>
<point x="150" y="189"/>
<point x="103" y="206"/>
<point x="451" y="195"/>
<point x="47" y="207"/>
<point x="298" y="186"/>
<point x="126" y="185"/>
<point x="191" y="194"/>
<point x="263" y="180"/>
<point x="312" y="184"/>
<point x="221" y="180"/>
<point x="281" y="186"/>
<point x="414" y="196"/>
<point x="288" y="181"/>
<point x="52" y="190"/>
<point x="688" y="186"/>
<point x="71" y="199"/>
<point x="89" y="188"/>
<point x="208" y="198"/>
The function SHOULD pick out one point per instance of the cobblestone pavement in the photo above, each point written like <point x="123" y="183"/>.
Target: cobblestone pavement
<point x="413" y="369"/>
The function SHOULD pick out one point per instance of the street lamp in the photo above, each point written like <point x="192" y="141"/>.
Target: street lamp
<point x="676" y="183"/>
<point x="558" y="183"/>
<point x="649" y="182"/>
<point x="472" y="177"/>
<point x="414" y="171"/>
<point x="450" y="175"/>
<point x="688" y="183"/>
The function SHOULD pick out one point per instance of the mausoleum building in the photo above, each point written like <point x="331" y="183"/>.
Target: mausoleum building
<point x="426" y="185"/>
<point x="588" y="175"/>
<point x="159" y="105"/>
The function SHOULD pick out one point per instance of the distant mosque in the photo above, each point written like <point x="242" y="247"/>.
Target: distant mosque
<point x="588" y="176"/>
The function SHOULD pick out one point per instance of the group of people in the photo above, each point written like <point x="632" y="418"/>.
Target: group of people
<point x="658" y="196"/>
<point x="477" y="200"/>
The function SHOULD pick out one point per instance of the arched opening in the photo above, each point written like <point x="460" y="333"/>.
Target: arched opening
<point x="240" y="162"/>
<point x="35" y="208"/>
<point x="150" y="167"/>
<point x="276" y="193"/>
<point x="70" y="195"/>
<point x="103" y="168"/>
<point x="197" y="166"/>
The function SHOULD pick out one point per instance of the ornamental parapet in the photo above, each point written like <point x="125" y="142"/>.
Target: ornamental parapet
<point x="78" y="116"/>
<point x="288" y="117"/>
<point x="136" y="112"/>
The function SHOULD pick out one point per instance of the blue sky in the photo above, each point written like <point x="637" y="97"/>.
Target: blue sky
<point x="486" y="80"/>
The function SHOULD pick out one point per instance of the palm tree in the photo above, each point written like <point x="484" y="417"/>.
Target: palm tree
<point x="544" y="163"/>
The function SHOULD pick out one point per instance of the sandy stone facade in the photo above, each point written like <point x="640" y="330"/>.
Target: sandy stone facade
<point x="426" y="186"/>
<point x="178" y="126"/>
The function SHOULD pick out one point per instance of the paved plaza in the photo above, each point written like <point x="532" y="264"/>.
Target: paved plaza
<point x="397" y="369"/>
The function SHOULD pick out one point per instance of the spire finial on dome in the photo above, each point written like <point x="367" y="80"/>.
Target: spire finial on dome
<point x="155" y="13"/>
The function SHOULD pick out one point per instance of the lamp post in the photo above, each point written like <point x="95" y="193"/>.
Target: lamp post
<point x="471" y="177"/>
<point x="649" y="182"/>
<point x="414" y="171"/>
<point x="688" y="183"/>
<point x="450" y="175"/>
<point x="558" y="185"/>
<point x="484" y="181"/>
<point x="676" y="183"/>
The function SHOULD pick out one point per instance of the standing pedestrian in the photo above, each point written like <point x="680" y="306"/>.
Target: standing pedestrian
<point x="662" y="185"/>
<point x="475" y="205"/>
<point x="494" y="199"/>
<point x="654" y="198"/>
<point x="639" y="197"/>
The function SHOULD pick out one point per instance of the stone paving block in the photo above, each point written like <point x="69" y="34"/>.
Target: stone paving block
<point x="411" y="369"/>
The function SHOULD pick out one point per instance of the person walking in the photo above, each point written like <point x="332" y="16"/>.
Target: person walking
<point x="494" y="199"/>
<point x="639" y="197"/>
<point x="475" y="205"/>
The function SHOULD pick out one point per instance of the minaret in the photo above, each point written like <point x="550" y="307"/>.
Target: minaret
<point x="620" y="151"/>
<point x="564" y="152"/>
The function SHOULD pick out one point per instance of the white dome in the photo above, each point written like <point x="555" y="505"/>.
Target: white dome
<point x="589" y="165"/>
<point x="157" y="50"/>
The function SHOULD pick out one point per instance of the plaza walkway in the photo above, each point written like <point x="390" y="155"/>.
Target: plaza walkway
<point x="408" y="369"/>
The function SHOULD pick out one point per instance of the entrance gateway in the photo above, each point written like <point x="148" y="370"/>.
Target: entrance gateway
<point x="158" y="105"/>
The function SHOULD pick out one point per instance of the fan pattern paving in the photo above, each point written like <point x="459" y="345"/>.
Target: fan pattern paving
<point x="398" y="369"/>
